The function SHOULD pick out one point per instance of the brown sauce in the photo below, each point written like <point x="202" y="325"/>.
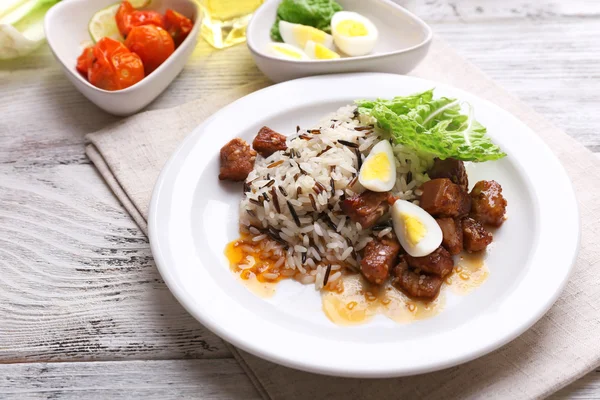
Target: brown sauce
<point x="360" y="301"/>
<point x="351" y="300"/>
<point x="469" y="273"/>
<point x="253" y="278"/>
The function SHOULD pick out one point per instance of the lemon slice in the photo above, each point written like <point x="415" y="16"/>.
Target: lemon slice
<point x="103" y="23"/>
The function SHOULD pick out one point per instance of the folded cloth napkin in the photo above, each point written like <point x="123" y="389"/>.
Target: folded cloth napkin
<point x="557" y="350"/>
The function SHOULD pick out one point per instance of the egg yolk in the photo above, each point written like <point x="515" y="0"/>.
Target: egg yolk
<point x="288" y="52"/>
<point x="377" y="167"/>
<point x="323" y="53"/>
<point x="352" y="28"/>
<point x="413" y="228"/>
<point x="303" y="34"/>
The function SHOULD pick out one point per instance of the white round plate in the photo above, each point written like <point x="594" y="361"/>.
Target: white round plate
<point x="193" y="216"/>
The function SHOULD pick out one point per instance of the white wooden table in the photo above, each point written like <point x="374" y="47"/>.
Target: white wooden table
<point x="83" y="312"/>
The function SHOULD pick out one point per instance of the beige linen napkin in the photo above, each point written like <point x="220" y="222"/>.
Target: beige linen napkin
<point x="557" y="350"/>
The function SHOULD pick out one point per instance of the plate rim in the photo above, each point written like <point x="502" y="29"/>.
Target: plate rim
<point x="165" y="272"/>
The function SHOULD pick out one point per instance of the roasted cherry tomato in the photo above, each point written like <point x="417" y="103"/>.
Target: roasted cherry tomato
<point x="85" y="60"/>
<point x="114" y="67"/>
<point x="127" y="17"/>
<point x="152" y="43"/>
<point x="178" y="26"/>
<point x="123" y="17"/>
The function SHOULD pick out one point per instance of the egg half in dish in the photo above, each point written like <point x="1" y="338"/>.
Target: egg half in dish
<point x="378" y="172"/>
<point x="417" y="231"/>
<point x="317" y="51"/>
<point x="286" y="51"/>
<point x="353" y="33"/>
<point x="298" y="35"/>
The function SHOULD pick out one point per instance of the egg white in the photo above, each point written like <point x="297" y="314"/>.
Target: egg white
<point x="379" y="183"/>
<point x="284" y="51"/>
<point x="354" y="45"/>
<point x="433" y="233"/>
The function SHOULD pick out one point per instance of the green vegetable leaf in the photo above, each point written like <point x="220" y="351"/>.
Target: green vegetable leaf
<point x="435" y="127"/>
<point x="275" y="33"/>
<point x="399" y="105"/>
<point x="316" y="13"/>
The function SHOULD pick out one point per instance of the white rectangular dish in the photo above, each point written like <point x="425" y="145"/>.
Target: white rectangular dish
<point x="403" y="42"/>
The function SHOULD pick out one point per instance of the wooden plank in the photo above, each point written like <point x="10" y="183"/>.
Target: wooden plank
<point x="78" y="281"/>
<point x="49" y="117"/>
<point x="60" y="228"/>
<point x="168" y="379"/>
<point x="477" y="11"/>
<point x="557" y="72"/>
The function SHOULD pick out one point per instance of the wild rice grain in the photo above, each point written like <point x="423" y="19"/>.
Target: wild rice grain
<point x="358" y="159"/>
<point x="353" y="181"/>
<point x="275" y="200"/>
<point x="294" y="215"/>
<point x="312" y="201"/>
<point x="275" y="164"/>
<point x="327" y="272"/>
<point x="347" y="143"/>
<point x="268" y="184"/>
<point x="282" y="190"/>
<point x="320" y="186"/>
<point x="380" y="227"/>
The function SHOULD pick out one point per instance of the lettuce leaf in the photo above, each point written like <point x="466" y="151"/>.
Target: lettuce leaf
<point x="315" y="13"/>
<point x="436" y="127"/>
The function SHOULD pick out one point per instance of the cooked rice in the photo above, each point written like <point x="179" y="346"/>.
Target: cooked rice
<point x="317" y="159"/>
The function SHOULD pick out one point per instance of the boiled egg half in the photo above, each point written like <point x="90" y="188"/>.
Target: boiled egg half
<point x="353" y="33"/>
<point x="298" y="35"/>
<point x="417" y="231"/>
<point x="378" y="171"/>
<point x="286" y="51"/>
<point x="317" y="51"/>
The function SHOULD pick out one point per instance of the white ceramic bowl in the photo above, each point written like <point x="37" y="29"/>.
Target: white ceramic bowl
<point x="403" y="42"/>
<point x="66" y="26"/>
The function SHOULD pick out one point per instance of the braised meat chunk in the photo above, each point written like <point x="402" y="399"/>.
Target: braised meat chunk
<point x="267" y="142"/>
<point x="452" y="169"/>
<point x="366" y="208"/>
<point x="475" y="236"/>
<point x="379" y="257"/>
<point x="439" y="262"/>
<point x="442" y="198"/>
<point x="416" y="285"/>
<point x="489" y="206"/>
<point x="237" y="160"/>
<point x="452" y="234"/>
